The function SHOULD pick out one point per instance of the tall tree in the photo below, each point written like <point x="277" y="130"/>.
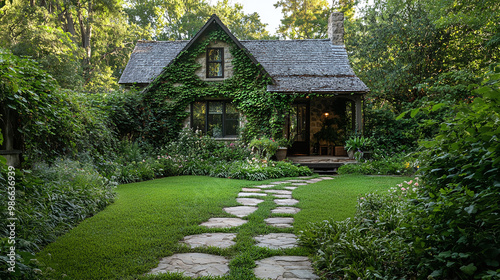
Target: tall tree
<point x="243" y="26"/>
<point x="304" y="19"/>
<point x="80" y="42"/>
<point x="181" y="19"/>
<point x="402" y="48"/>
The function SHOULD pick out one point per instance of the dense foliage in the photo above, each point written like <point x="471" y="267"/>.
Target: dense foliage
<point x="371" y="245"/>
<point x="47" y="119"/>
<point x="202" y="155"/>
<point x="48" y="202"/>
<point x="448" y="227"/>
<point x="86" y="44"/>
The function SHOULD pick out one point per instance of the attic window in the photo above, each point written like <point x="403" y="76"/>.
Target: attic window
<point x="215" y="62"/>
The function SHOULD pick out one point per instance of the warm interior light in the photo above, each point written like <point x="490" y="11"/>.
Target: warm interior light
<point x="327" y="114"/>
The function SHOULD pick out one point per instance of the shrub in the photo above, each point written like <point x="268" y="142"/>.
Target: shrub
<point x="372" y="244"/>
<point x="396" y="164"/>
<point x="195" y="154"/>
<point x="460" y="206"/>
<point x="49" y="201"/>
<point x="265" y="147"/>
<point x="389" y="133"/>
<point x="450" y="229"/>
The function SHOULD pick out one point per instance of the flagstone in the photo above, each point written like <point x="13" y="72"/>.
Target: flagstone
<point x="289" y="196"/>
<point x="291" y="188"/>
<point x="240" y="211"/>
<point x="193" y="265"/>
<point x="249" y="201"/>
<point x="244" y="194"/>
<point x="279" y="222"/>
<point x="265" y="186"/>
<point x="221" y="240"/>
<point x="285" y="267"/>
<point x="314" y="180"/>
<point x="223" y="222"/>
<point x="278" y="191"/>
<point x="277" y="240"/>
<point x="300" y="184"/>
<point x="279" y="183"/>
<point x="285" y="210"/>
<point x="286" y="201"/>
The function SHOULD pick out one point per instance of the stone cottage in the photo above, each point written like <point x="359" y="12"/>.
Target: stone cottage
<point x="329" y="96"/>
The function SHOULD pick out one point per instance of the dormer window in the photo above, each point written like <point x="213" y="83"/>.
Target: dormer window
<point x="215" y="62"/>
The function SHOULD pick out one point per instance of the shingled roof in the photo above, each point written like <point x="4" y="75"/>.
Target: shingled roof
<point x="295" y="65"/>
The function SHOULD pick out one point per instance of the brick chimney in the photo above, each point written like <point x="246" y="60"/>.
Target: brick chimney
<point x="336" y="28"/>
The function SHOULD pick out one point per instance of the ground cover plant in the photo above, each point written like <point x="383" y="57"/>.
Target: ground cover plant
<point x="49" y="201"/>
<point x="148" y="219"/>
<point x="381" y="162"/>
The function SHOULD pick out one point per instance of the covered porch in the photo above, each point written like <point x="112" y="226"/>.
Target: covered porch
<point x="320" y="125"/>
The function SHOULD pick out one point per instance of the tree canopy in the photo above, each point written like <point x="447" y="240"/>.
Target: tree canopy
<point x="85" y="44"/>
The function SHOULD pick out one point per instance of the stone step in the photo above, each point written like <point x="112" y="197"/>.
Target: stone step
<point x="193" y="265"/>
<point x="285" y="267"/>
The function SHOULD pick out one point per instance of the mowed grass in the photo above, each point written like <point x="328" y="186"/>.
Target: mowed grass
<point x="337" y="199"/>
<point x="148" y="220"/>
<point x="142" y="226"/>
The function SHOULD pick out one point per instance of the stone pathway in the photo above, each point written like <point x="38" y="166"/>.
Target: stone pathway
<point x="278" y="267"/>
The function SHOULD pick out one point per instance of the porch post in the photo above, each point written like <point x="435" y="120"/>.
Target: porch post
<point x="359" y="114"/>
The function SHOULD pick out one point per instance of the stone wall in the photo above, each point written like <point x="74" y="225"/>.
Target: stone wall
<point x="228" y="65"/>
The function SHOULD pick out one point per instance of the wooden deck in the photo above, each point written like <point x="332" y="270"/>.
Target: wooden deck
<point x="321" y="164"/>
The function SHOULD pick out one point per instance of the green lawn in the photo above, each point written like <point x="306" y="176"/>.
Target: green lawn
<point x="148" y="219"/>
<point x="336" y="199"/>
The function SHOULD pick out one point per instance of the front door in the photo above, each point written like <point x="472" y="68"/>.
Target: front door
<point x="298" y="129"/>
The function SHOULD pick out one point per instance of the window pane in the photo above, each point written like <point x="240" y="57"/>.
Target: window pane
<point x="231" y="122"/>
<point x="199" y="114"/>
<point x="215" y="119"/>
<point x="301" y="122"/>
<point x="215" y="69"/>
<point x="215" y="54"/>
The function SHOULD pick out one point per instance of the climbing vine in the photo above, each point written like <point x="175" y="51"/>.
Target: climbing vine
<point x="167" y="97"/>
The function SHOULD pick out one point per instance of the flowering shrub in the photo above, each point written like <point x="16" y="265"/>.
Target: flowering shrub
<point x="194" y="154"/>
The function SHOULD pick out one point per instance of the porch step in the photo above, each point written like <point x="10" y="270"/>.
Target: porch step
<point x="329" y="168"/>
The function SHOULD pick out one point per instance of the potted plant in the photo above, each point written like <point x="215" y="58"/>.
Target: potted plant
<point x="265" y="147"/>
<point x="283" y="148"/>
<point x="331" y="132"/>
<point x="357" y="144"/>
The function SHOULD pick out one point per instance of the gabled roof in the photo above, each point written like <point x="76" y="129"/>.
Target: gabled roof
<point x="306" y="66"/>
<point x="294" y="65"/>
<point x="148" y="60"/>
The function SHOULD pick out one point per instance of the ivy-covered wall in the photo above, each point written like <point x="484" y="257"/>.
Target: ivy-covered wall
<point x="167" y="97"/>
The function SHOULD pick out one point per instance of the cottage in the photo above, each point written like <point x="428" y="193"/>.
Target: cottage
<point x="314" y="76"/>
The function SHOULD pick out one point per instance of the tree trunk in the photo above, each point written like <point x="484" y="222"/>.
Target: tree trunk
<point x="86" y="34"/>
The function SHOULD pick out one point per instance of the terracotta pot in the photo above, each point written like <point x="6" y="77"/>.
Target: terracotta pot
<point x="281" y="153"/>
